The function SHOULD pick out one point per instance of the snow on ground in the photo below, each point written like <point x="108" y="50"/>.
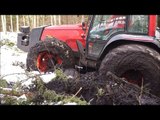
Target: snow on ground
<point x="70" y="103"/>
<point x="10" y="57"/>
<point x="22" y="97"/>
<point x="11" y="71"/>
<point x="8" y="35"/>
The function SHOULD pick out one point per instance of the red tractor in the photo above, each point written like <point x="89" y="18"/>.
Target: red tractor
<point x="125" y="45"/>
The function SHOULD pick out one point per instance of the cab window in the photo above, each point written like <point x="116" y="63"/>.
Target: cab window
<point x="138" y="24"/>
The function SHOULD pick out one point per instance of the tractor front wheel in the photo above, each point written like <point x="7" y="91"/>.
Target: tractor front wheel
<point x="48" y="54"/>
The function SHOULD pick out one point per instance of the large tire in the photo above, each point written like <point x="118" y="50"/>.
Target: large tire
<point x="134" y="57"/>
<point x="53" y="46"/>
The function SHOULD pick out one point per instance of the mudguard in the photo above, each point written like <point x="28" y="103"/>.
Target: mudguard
<point x="153" y="41"/>
<point x="26" y="40"/>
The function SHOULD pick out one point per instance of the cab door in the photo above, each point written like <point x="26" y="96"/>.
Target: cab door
<point x="102" y="28"/>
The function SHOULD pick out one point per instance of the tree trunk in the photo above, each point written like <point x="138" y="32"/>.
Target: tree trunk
<point x="66" y="19"/>
<point x="3" y="19"/>
<point x="11" y="22"/>
<point x="34" y="21"/>
<point x="24" y="24"/>
<point x="55" y="20"/>
<point x="17" y="19"/>
<point x="82" y="20"/>
<point x="51" y="20"/>
<point x="59" y="19"/>
<point x="28" y="23"/>
<point x="43" y="19"/>
<point x="37" y="20"/>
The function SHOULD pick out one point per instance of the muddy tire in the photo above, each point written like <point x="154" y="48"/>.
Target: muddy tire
<point x="54" y="47"/>
<point x="135" y="57"/>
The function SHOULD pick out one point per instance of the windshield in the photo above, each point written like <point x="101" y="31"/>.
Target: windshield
<point x="105" y="25"/>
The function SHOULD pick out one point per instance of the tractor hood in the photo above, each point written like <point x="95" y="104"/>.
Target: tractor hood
<point x="66" y="33"/>
<point x="77" y="26"/>
<point x="63" y="32"/>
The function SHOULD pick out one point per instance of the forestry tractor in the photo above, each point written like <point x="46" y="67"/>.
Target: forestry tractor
<point x="126" y="45"/>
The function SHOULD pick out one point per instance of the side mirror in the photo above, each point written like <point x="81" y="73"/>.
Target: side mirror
<point x="83" y="26"/>
<point x="83" y="35"/>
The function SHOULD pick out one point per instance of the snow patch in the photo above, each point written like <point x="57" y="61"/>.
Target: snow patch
<point x="9" y="35"/>
<point x="28" y="82"/>
<point x="7" y="89"/>
<point x="70" y="103"/>
<point x="59" y="103"/>
<point x="22" y="97"/>
<point x="2" y="95"/>
<point x="48" y="77"/>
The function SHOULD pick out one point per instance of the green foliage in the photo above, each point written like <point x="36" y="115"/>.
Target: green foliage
<point x="50" y="95"/>
<point x="10" y="92"/>
<point x="39" y="85"/>
<point x="18" y="85"/>
<point x="40" y="88"/>
<point x="60" y="75"/>
<point x="8" y="100"/>
<point x="100" y="92"/>
<point x="15" y="93"/>
<point x="1" y="43"/>
<point x="39" y="95"/>
<point x="22" y="102"/>
<point x="77" y="100"/>
<point x="3" y="83"/>
<point x="7" y="43"/>
<point x="4" y="91"/>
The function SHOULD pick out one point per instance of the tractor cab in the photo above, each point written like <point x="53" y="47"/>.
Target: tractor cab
<point x="105" y="30"/>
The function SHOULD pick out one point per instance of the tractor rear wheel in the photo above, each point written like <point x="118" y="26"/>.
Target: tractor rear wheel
<point x="48" y="54"/>
<point x="136" y="63"/>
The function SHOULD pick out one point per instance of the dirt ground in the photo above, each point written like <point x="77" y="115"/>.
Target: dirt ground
<point x="104" y="90"/>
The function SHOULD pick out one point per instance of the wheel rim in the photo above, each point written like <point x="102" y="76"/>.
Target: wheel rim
<point x="133" y="76"/>
<point x="46" y="61"/>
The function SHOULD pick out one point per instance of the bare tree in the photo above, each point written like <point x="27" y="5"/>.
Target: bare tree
<point x="3" y="19"/>
<point x="51" y="20"/>
<point x="28" y="23"/>
<point x="34" y="21"/>
<point x="14" y="21"/>
<point x="11" y="22"/>
<point x="37" y="16"/>
<point x="66" y="19"/>
<point x="59" y="19"/>
<point x="55" y="20"/>
<point x="17" y="19"/>
<point x="24" y="23"/>
<point x="82" y="20"/>
<point x="43" y="19"/>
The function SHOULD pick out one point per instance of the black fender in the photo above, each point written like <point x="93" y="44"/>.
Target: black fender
<point x="127" y="39"/>
<point x="26" y="40"/>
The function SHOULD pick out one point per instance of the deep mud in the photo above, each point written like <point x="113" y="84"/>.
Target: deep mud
<point x="104" y="90"/>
